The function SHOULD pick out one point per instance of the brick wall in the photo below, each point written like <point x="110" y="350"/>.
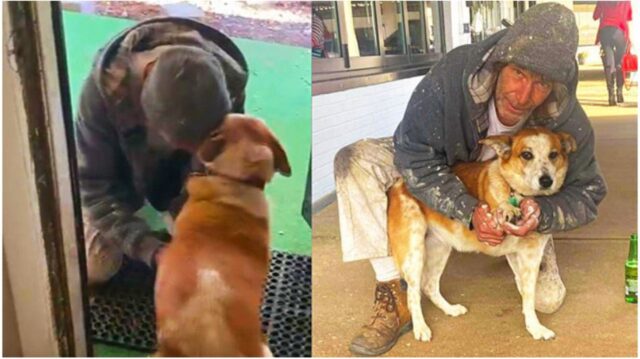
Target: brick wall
<point x="341" y="118"/>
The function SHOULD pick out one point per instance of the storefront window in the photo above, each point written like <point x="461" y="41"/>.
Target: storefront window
<point x="392" y="27"/>
<point x="486" y="17"/>
<point x="433" y="24"/>
<point x="415" y="15"/>
<point x="364" y="40"/>
<point x="363" y="20"/>
<point x="325" y="34"/>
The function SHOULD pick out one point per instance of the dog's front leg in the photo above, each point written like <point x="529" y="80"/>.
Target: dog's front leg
<point x="412" y="273"/>
<point x="528" y="266"/>
<point x="266" y="352"/>
<point x="512" y="259"/>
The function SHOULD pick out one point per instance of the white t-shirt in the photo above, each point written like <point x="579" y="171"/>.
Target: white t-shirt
<point x="497" y="128"/>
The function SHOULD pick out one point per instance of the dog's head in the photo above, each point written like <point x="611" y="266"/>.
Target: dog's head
<point x="534" y="161"/>
<point x="243" y="147"/>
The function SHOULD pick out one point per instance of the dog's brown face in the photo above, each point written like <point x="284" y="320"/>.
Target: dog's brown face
<point x="243" y="147"/>
<point x="534" y="161"/>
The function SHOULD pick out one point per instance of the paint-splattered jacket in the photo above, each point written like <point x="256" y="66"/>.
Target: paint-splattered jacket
<point x="117" y="169"/>
<point x="447" y="116"/>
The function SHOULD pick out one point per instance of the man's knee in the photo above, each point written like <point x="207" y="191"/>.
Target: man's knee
<point x="550" y="296"/>
<point x="550" y="290"/>
<point x="365" y="154"/>
<point x="104" y="258"/>
<point x="345" y="157"/>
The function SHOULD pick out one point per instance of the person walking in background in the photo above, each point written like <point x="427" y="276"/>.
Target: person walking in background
<point x="613" y="36"/>
<point x="318" y="35"/>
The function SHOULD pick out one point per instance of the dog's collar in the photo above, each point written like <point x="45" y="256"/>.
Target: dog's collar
<point x="251" y="181"/>
<point x="513" y="198"/>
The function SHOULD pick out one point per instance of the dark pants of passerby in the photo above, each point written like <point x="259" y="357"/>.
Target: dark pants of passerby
<point x="613" y="48"/>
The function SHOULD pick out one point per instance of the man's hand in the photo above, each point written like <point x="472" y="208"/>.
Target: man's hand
<point x="157" y="256"/>
<point x="529" y="221"/>
<point x="486" y="225"/>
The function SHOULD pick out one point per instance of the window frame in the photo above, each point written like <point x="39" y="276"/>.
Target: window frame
<point x="56" y="253"/>
<point x="341" y="73"/>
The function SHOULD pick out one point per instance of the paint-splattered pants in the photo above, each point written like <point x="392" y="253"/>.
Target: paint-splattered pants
<point x="364" y="171"/>
<point x="104" y="256"/>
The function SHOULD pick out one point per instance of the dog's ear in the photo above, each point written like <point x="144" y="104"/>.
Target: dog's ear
<point x="147" y="69"/>
<point x="211" y="147"/>
<point x="501" y="144"/>
<point x="280" y="161"/>
<point x="568" y="142"/>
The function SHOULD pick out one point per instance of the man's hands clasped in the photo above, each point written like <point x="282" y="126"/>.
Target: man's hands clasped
<point x="491" y="228"/>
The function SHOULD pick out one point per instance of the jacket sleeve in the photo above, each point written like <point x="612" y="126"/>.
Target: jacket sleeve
<point x="420" y="158"/>
<point x="109" y="200"/>
<point x="584" y="187"/>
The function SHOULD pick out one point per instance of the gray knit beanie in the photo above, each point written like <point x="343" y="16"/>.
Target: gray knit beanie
<point x="185" y="95"/>
<point x="543" y="40"/>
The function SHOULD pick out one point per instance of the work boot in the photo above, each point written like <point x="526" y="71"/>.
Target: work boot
<point x="619" y="85"/>
<point x="390" y="319"/>
<point x="550" y="291"/>
<point x="610" y="77"/>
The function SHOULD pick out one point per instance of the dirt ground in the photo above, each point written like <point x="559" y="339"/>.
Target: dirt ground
<point x="284" y="22"/>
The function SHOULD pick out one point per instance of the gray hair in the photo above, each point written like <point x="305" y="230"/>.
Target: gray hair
<point x="185" y="96"/>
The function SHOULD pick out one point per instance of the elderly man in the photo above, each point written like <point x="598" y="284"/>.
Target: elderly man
<point x="525" y="75"/>
<point x="155" y="91"/>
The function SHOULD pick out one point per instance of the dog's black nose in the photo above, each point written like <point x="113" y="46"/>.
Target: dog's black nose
<point x="545" y="181"/>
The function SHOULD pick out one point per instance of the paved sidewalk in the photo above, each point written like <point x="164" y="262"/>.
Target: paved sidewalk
<point x="595" y="321"/>
<point x="616" y="151"/>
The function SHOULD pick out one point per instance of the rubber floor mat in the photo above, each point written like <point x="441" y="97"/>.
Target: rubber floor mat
<point x="122" y="311"/>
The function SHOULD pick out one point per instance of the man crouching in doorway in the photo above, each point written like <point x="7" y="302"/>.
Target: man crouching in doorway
<point x="522" y="76"/>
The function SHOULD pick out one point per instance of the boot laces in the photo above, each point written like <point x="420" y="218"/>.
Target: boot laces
<point x="384" y="303"/>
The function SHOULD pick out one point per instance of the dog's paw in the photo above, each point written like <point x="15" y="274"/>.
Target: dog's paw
<point x="509" y="212"/>
<point x="541" y="332"/>
<point x="422" y="332"/>
<point x="456" y="310"/>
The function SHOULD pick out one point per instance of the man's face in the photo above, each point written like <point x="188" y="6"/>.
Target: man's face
<point x="176" y="138"/>
<point x="519" y="92"/>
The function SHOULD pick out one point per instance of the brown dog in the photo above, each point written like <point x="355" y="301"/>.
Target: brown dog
<point x="533" y="162"/>
<point x="210" y="277"/>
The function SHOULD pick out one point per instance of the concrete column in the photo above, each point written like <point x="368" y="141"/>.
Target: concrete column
<point x="456" y="14"/>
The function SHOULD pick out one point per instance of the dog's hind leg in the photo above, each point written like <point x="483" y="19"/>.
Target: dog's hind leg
<point x="436" y="256"/>
<point x="528" y="267"/>
<point x="406" y="229"/>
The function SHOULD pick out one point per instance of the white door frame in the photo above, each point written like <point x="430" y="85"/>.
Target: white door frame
<point x="42" y="233"/>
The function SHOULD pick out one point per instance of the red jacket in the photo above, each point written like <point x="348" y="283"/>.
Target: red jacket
<point x="613" y="13"/>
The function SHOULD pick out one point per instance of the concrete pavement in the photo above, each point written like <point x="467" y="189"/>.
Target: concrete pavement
<point x="595" y="321"/>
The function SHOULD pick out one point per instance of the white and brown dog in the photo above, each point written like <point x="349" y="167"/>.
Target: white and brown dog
<point x="533" y="162"/>
<point x="211" y="276"/>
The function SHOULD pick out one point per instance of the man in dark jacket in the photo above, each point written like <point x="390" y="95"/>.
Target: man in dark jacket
<point x="155" y="91"/>
<point x="522" y="76"/>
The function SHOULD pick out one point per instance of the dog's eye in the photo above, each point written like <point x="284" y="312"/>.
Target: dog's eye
<point x="526" y="155"/>
<point x="553" y="155"/>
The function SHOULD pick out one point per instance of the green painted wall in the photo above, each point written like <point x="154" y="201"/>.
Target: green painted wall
<point x="279" y="91"/>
